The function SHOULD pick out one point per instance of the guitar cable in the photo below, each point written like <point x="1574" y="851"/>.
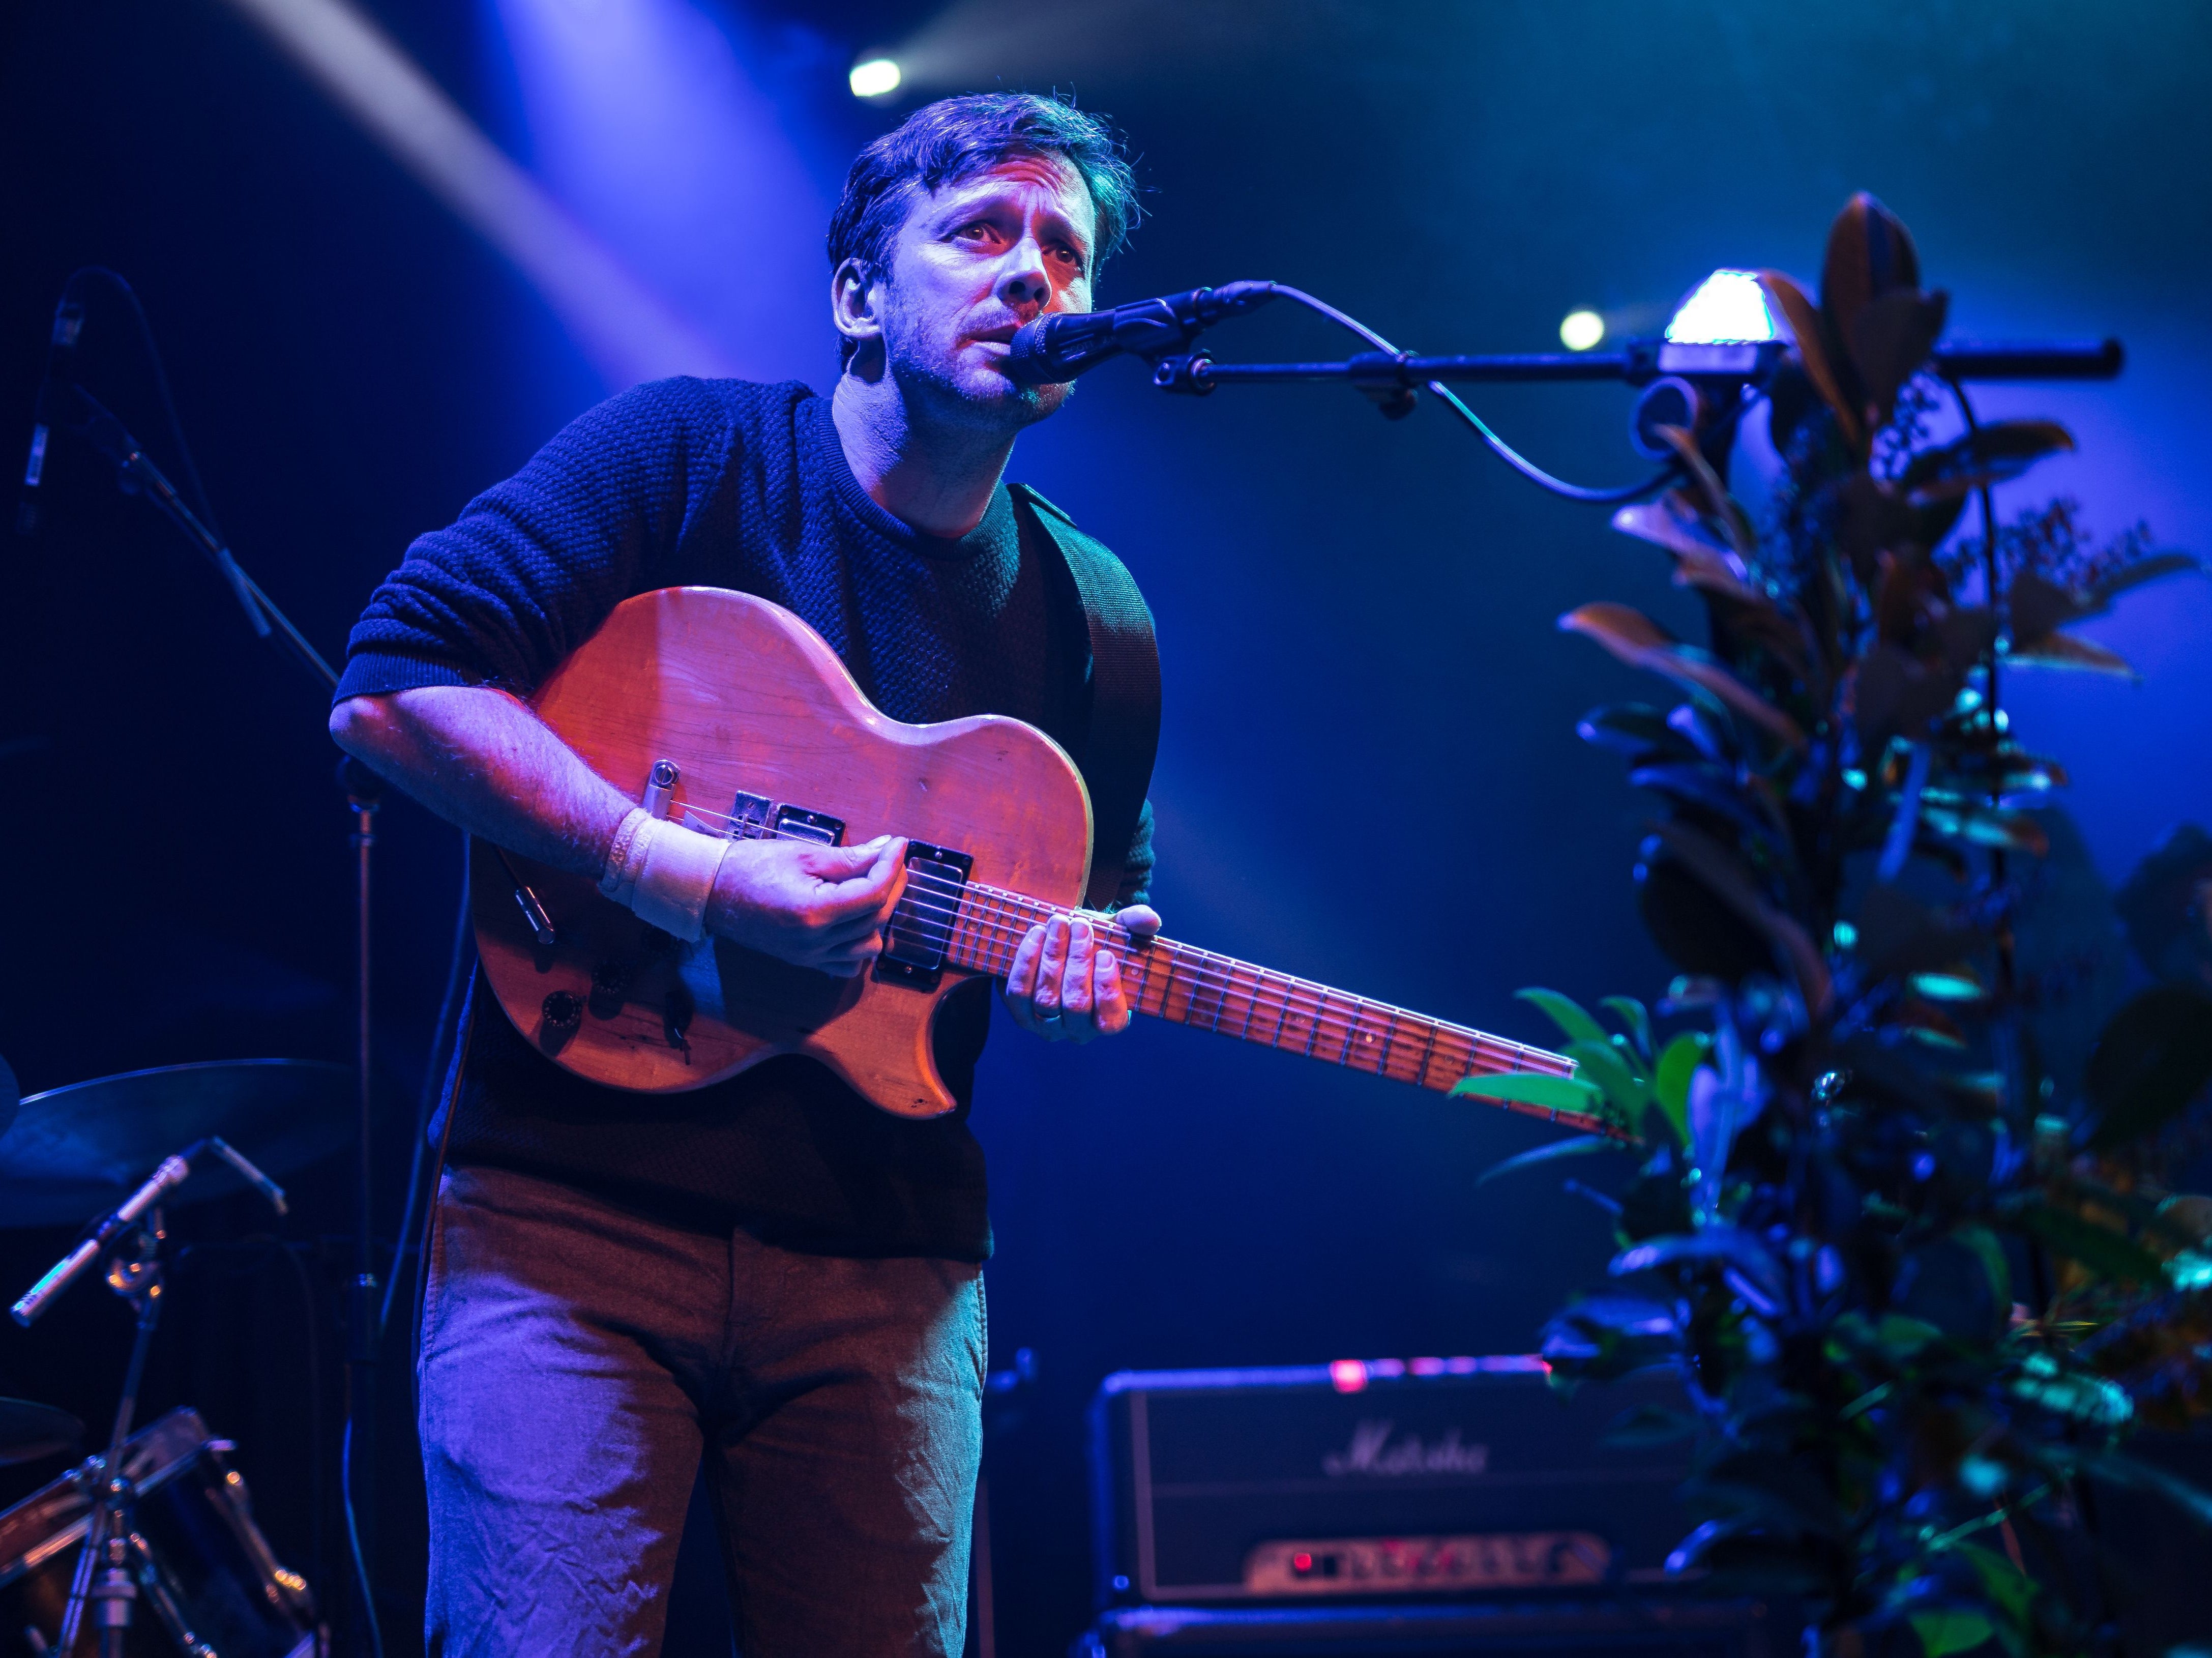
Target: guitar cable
<point x="443" y="1040"/>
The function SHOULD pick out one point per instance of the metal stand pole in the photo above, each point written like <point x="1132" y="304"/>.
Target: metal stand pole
<point x="364" y="797"/>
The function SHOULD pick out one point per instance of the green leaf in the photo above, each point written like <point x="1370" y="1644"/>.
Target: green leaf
<point x="2152" y="569"/>
<point x="1637" y="640"/>
<point x="2151" y="1060"/>
<point x="1720" y="508"/>
<point x="1601" y="1064"/>
<point x="2076" y="1394"/>
<point x="1984" y="1242"/>
<point x="1581" y="1146"/>
<point x="1672" y="522"/>
<point x="2007" y="1585"/>
<point x="1995" y="452"/>
<point x="1810" y="340"/>
<point x="2064" y="650"/>
<point x="1903" y="1337"/>
<point x="1604" y="1336"/>
<point x="1986" y="825"/>
<point x="2103" y="1250"/>
<point x="1944" y="1632"/>
<point x="1725" y="1245"/>
<point x="1670" y="1078"/>
<point x="1635" y="730"/>
<point x="1632" y="1014"/>
<point x="1890" y="340"/>
<point x="1566" y="1013"/>
<point x="1533" y="1088"/>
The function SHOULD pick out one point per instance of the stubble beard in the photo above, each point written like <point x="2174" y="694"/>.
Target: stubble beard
<point x="967" y="394"/>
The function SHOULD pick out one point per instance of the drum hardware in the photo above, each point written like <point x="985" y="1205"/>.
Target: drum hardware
<point x="129" y="1240"/>
<point x="200" y="1564"/>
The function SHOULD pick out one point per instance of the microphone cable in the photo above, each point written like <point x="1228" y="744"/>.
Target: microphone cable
<point x="1504" y="451"/>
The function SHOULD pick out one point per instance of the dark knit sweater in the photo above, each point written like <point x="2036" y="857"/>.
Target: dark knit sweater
<point x="725" y="484"/>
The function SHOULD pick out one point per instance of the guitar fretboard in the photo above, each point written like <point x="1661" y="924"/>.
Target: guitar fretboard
<point x="1190" y="986"/>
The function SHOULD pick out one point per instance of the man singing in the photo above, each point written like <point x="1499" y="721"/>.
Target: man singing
<point x="768" y="1272"/>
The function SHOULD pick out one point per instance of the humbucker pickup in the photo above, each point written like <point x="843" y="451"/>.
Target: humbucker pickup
<point x="920" y="934"/>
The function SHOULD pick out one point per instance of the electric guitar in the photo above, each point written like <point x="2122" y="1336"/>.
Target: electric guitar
<point x="729" y="714"/>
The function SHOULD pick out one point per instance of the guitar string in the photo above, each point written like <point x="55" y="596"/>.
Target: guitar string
<point x="1270" y="992"/>
<point x="988" y="907"/>
<point x="1282" y="994"/>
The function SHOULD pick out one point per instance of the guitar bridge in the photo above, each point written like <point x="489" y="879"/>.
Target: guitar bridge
<point x="750" y="816"/>
<point x="920" y="934"/>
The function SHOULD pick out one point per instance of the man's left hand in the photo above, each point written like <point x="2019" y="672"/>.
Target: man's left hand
<point x="1065" y="983"/>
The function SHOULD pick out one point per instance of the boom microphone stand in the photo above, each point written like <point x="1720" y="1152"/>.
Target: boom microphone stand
<point x="1639" y="363"/>
<point x="67" y="405"/>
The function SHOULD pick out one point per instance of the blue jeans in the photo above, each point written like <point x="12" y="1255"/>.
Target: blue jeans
<point x="576" y="1363"/>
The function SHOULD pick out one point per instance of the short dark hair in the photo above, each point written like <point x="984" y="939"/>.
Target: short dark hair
<point x="956" y="138"/>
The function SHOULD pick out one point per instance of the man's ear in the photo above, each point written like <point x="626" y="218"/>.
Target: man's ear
<point x="856" y="303"/>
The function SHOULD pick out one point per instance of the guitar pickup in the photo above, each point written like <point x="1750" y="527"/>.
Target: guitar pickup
<point x="795" y="823"/>
<point x="920" y="936"/>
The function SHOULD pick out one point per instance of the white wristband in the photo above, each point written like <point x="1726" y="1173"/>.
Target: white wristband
<point x="618" y="881"/>
<point x="676" y="872"/>
<point x="664" y="873"/>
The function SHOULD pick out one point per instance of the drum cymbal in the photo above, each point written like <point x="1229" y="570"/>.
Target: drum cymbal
<point x="78" y="1150"/>
<point x="29" y="1431"/>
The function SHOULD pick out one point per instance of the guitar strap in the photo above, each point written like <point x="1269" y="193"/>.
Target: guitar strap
<point x="1124" y="737"/>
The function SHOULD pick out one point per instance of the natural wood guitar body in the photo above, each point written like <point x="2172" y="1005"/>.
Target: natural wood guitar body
<point x="770" y="737"/>
<point x="742" y="696"/>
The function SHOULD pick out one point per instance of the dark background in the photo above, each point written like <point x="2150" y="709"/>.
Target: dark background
<point x="1368" y="774"/>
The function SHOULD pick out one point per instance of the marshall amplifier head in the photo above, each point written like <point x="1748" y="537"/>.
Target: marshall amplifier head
<point x="1374" y="1477"/>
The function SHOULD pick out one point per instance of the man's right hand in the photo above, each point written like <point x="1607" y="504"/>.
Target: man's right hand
<point x="815" y="906"/>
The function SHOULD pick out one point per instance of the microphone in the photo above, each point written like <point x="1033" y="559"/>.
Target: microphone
<point x="61" y="368"/>
<point x="1057" y="348"/>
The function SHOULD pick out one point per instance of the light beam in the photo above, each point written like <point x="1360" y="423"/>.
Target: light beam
<point x="623" y="327"/>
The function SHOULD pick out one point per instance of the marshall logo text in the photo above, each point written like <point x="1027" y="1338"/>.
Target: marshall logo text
<point x="1372" y="1455"/>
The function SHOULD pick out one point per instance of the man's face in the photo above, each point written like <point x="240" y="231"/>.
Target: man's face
<point x="971" y="264"/>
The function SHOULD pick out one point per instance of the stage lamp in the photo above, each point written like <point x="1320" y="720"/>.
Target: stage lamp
<point x="1728" y="307"/>
<point x="1724" y="329"/>
<point x="874" y="77"/>
<point x="1580" y="329"/>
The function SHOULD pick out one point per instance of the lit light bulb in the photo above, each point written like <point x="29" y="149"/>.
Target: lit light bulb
<point x="1580" y="329"/>
<point x="875" y="78"/>
<point x="1727" y="308"/>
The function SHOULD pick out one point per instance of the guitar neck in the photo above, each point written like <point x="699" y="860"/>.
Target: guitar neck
<point x="1232" y="999"/>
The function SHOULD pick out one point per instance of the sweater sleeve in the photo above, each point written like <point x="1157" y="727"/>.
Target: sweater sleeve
<point x="533" y="565"/>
